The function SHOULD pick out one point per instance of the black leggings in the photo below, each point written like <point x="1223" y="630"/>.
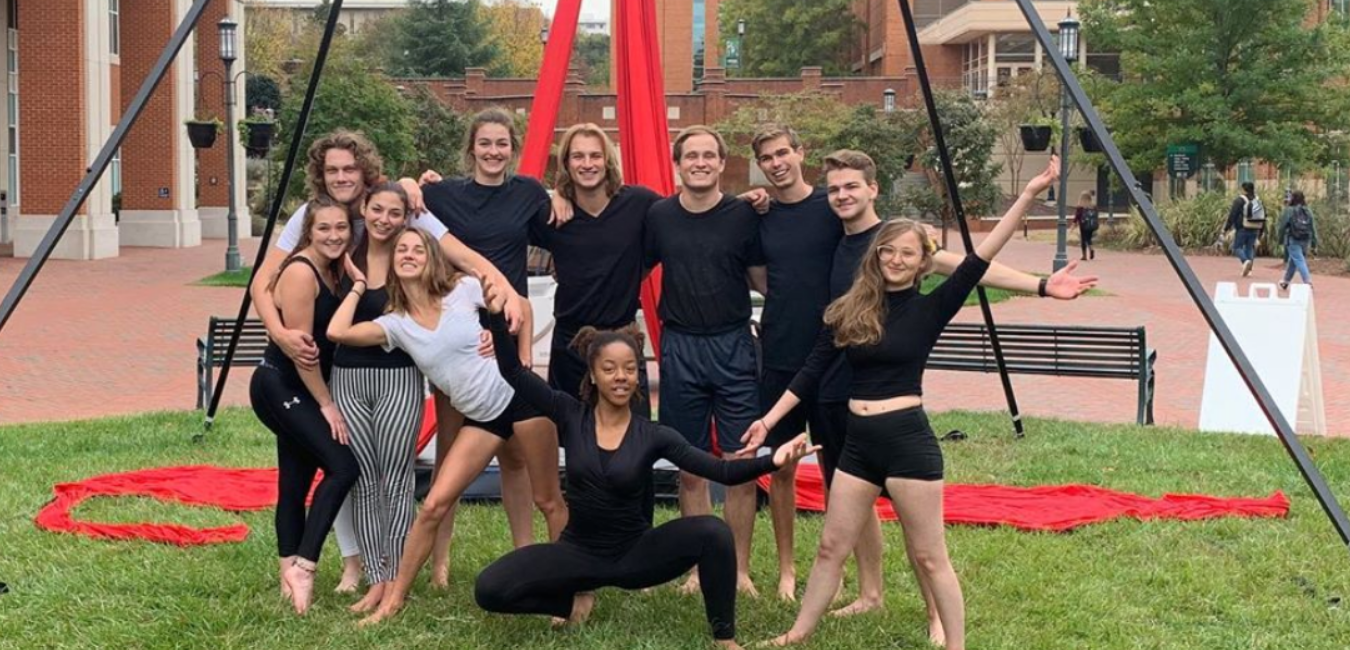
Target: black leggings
<point x="305" y="445"/>
<point x="1085" y="239"/>
<point x="544" y="578"/>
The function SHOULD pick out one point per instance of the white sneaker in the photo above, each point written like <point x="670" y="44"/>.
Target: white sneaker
<point x="1246" y="268"/>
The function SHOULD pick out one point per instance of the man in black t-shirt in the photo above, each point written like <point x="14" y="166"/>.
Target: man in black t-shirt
<point x="708" y="243"/>
<point x="597" y="254"/>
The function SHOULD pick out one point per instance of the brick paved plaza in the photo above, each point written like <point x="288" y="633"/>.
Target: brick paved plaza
<point x="117" y="336"/>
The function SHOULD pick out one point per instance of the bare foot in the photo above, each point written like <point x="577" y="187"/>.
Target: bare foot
<point x="351" y="575"/>
<point x="787" y="588"/>
<point x="386" y="610"/>
<point x="860" y="606"/>
<point x="370" y="601"/>
<point x="781" y="641"/>
<point x="283" y="564"/>
<point x="729" y="643"/>
<point x="440" y="575"/>
<point x="746" y="586"/>
<point x="582" y="605"/>
<point x="690" y="586"/>
<point x="936" y="635"/>
<point x="299" y="578"/>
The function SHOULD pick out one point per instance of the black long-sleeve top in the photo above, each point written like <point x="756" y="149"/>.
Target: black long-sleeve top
<point x="611" y="501"/>
<point x="894" y="366"/>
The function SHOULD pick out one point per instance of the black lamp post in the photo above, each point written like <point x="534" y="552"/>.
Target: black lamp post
<point x="1068" y="47"/>
<point x="228" y="30"/>
<point x="740" y="37"/>
<point x="543" y="35"/>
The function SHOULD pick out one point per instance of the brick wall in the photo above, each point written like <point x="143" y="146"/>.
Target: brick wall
<point x="51" y="103"/>
<point x="212" y="172"/>
<point x="149" y="154"/>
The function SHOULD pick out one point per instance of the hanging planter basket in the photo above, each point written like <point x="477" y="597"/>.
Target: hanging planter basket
<point x="259" y="140"/>
<point x="1089" y="140"/>
<point x="202" y="135"/>
<point x="1035" y="137"/>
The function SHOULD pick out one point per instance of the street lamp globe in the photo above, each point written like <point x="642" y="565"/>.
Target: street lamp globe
<point x="1068" y="38"/>
<point x="888" y="100"/>
<point x="740" y="27"/>
<point x="543" y="34"/>
<point x="228" y="28"/>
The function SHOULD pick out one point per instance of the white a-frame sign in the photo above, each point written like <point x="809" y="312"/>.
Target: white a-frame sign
<point x="1279" y="335"/>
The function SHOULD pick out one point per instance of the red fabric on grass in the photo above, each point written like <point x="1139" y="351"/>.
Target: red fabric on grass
<point x="233" y="489"/>
<point x="1054" y="508"/>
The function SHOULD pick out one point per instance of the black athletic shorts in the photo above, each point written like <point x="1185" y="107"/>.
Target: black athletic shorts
<point x="898" y="444"/>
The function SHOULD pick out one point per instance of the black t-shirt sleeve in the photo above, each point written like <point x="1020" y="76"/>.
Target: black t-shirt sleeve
<point x="528" y="385"/>
<point x="651" y="251"/>
<point x="806" y="383"/>
<point x="950" y="296"/>
<point x="540" y="228"/>
<point x="754" y="246"/>
<point x="673" y="447"/>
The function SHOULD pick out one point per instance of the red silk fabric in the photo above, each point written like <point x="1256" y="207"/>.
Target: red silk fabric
<point x="1054" y="508"/>
<point x="548" y="93"/>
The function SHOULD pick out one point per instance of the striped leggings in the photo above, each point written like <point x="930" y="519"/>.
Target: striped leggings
<point x="383" y="409"/>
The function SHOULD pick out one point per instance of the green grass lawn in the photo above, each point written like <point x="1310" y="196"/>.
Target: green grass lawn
<point x="1127" y="584"/>
<point x="227" y="278"/>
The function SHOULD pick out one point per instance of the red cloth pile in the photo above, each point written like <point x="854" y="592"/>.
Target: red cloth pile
<point x="1054" y="507"/>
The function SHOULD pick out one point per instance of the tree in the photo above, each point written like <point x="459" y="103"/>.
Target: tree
<point x="268" y="40"/>
<point x="591" y="55"/>
<point x="1241" y="78"/>
<point x="436" y="144"/>
<point x="1032" y="94"/>
<point x="350" y="96"/>
<point x="262" y="92"/>
<point x="514" y="27"/>
<point x="440" y="38"/>
<point x="783" y="36"/>
<point x="970" y="142"/>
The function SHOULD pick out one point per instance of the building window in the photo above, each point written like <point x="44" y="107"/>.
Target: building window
<point x="114" y="29"/>
<point x="975" y="68"/>
<point x="700" y="25"/>
<point x="1341" y="6"/>
<point x="1107" y="64"/>
<point x="115" y="172"/>
<point x="12" y="104"/>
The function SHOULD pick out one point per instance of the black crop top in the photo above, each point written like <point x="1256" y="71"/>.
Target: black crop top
<point x="325" y="305"/>
<point x="894" y="366"/>
<point x="369" y="306"/>
<point x="609" y="493"/>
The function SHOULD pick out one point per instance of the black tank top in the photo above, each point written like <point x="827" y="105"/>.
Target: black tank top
<point x="370" y="306"/>
<point x="325" y="305"/>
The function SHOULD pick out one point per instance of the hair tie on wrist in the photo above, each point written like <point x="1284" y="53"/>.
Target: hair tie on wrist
<point x="1040" y="288"/>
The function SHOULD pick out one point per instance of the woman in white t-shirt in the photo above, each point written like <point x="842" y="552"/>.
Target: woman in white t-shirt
<point x="433" y="316"/>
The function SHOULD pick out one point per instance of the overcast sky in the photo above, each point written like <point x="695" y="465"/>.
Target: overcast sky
<point x="592" y="8"/>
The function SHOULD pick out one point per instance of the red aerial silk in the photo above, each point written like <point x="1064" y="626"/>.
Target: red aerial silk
<point x="1054" y="508"/>
<point x="548" y="92"/>
<point x="233" y="489"/>
<point x="643" y="131"/>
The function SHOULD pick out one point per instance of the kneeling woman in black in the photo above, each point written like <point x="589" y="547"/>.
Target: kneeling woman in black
<point x="609" y="540"/>
<point x="887" y="329"/>
<point x="296" y="405"/>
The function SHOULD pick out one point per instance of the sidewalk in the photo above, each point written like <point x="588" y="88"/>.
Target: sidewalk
<point x="117" y="336"/>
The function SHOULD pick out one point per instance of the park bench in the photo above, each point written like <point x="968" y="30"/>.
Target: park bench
<point x="211" y="351"/>
<point x="1065" y="351"/>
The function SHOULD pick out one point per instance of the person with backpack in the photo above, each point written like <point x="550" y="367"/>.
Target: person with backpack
<point x="1248" y="218"/>
<point x="1086" y="218"/>
<point x="1298" y="232"/>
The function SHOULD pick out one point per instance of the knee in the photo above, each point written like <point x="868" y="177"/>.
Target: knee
<point x="712" y="530"/>
<point x="929" y="561"/>
<point x="490" y="592"/>
<point x="550" y="504"/>
<point x="435" y="509"/>
<point x="344" y="473"/>
<point x="833" y="548"/>
<point x="691" y="483"/>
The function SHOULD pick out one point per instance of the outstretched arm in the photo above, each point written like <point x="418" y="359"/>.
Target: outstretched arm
<point x="689" y="458"/>
<point x="530" y="386"/>
<point x="1062" y="285"/>
<point x="989" y="247"/>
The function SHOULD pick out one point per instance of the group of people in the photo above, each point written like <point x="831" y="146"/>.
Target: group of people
<point x="1296" y="232"/>
<point x="368" y="298"/>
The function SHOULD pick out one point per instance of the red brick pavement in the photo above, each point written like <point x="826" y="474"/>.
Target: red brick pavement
<point x="117" y="336"/>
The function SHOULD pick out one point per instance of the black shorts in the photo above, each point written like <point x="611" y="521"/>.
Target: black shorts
<point x="567" y="369"/>
<point x="829" y="430"/>
<point x="706" y="377"/>
<point x="502" y="426"/>
<point x="898" y="444"/>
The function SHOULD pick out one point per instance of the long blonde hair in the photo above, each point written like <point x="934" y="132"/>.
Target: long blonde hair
<point x="613" y="174"/>
<point x="858" y="316"/>
<point x="439" y="277"/>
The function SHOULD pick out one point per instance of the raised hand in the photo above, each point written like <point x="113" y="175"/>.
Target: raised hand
<point x="753" y="438"/>
<point x="758" y="198"/>
<point x="1045" y="179"/>
<point x="1064" y="285"/>
<point x="429" y="176"/>
<point x="353" y="271"/>
<point x="561" y="210"/>
<point x="795" y="450"/>
<point x="494" y="297"/>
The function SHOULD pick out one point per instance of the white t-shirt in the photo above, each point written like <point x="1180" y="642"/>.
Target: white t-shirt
<point x="290" y="234"/>
<point x="448" y="356"/>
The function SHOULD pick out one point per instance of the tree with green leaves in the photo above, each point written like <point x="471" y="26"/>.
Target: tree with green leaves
<point x="439" y="38"/>
<point x="970" y="142"/>
<point x="783" y="36"/>
<point x="351" y="96"/>
<point x="1241" y="78"/>
<point x="439" y="136"/>
<point x="591" y="54"/>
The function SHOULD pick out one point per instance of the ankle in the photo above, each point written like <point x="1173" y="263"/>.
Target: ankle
<point x="307" y="566"/>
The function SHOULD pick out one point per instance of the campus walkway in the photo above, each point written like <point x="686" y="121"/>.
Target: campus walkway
<point x="117" y="336"/>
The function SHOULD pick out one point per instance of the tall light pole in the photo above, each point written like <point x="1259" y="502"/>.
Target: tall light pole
<point x="1068" y="47"/>
<point x="227" y="29"/>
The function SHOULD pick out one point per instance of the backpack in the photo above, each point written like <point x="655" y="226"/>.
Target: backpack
<point x="1255" y="217"/>
<point x="1300" y="224"/>
<point x="1089" y="219"/>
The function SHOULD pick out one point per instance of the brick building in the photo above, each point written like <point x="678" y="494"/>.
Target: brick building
<point x="73" y="66"/>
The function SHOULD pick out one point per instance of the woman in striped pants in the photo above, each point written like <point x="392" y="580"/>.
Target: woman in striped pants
<point x="380" y="394"/>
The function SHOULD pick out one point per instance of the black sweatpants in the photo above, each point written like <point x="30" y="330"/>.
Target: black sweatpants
<point x="305" y="445"/>
<point x="544" y="578"/>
